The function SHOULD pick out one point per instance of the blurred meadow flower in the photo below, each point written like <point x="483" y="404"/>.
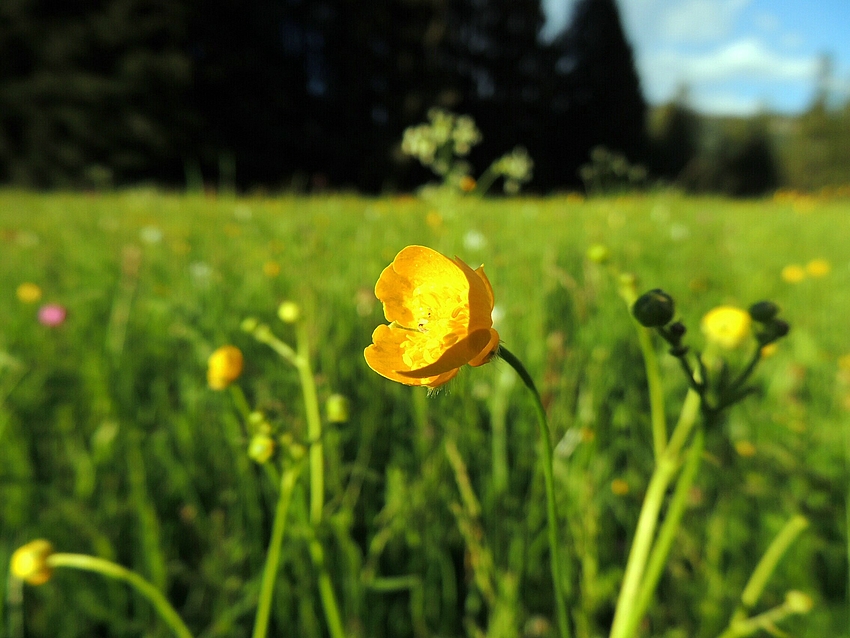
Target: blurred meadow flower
<point x="726" y="326"/>
<point x="271" y="268"/>
<point x="150" y="234"/>
<point x="818" y="268"/>
<point x="224" y="367"/>
<point x="29" y="562"/>
<point x="28" y="292"/>
<point x="52" y="315"/>
<point x="793" y="273"/>
<point x="440" y="313"/>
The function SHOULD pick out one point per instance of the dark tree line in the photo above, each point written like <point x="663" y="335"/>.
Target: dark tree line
<point x="100" y="92"/>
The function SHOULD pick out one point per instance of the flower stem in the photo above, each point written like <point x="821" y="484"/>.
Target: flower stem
<point x="113" y="570"/>
<point x="314" y="424"/>
<point x="656" y="392"/>
<point x="287" y="486"/>
<point x="549" y="482"/>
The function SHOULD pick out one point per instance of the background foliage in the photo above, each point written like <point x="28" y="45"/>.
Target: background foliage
<point x="111" y="443"/>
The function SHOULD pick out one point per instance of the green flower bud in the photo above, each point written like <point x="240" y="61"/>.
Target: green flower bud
<point x="336" y="408"/>
<point x="598" y="254"/>
<point x="764" y="311"/>
<point x="798" y="602"/>
<point x="249" y="324"/>
<point x="261" y="448"/>
<point x="654" y="309"/>
<point x="289" y="312"/>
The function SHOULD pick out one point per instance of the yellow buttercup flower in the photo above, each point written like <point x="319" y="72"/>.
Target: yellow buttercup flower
<point x="224" y="367"/>
<point x="29" y="562"/>
<point x="793" y="273"/>
<point x="28" y="292"/>
<point x="440" y="314"/>
<point x="818" y="268"/>
<point x="726" y="326"/>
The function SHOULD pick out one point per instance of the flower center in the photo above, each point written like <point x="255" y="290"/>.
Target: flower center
<point x="440" y="318"/>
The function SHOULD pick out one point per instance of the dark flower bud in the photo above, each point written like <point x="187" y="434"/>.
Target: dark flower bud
<point x="677" y="329"/>
<point x="653" y="309"/>
<point x="763" y="311"/>
<point x="773" y="330"/>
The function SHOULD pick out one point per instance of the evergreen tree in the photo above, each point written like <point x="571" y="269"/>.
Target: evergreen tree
<point x="594" y="91"/>
<point x="91" y="92"/>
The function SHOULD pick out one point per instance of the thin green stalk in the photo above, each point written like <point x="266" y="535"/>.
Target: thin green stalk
<point x="287" y="486"/>
<point x="314" y="425"/>
<point x="665" y="469"/>
<point x="766" y="566"/>
<point x="113" y="570"/>
<point x="546" y="453"/>
<point x="667" y="533"/>
<point x="637" y="575"/>
<point x="656" y="391"/>
<point x="326" y="591"/>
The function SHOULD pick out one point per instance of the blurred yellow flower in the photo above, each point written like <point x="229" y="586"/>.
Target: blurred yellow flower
<point x="793" y="273"/>
<point x="29" y="562"/>
<point x="440" y="313"/>
<point x="224" y="367"/>
<point x="28" y="292"/>
<point x="467" y="184"/>
<point x="726" y="326"/>
<point x="769" y="350"/>
<point x="745" y="449"/>
<point x="818" y="268"/>
<point x="619" y="487"/>
<point x="271" y="268"/>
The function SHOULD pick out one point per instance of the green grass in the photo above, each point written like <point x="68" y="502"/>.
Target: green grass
<point x="111" y="443"/>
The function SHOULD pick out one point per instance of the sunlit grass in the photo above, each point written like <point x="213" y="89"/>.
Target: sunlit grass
<point x="111" y="442"/>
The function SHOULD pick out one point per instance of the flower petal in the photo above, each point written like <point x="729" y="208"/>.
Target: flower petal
<point x="384" y="356"/>
<point x="454" y="357"/>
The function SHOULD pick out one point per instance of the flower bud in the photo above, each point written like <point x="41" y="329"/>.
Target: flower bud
<point x="261" y="448"/>
<point x="798" y="602"/>
<point x="29" y="562"/>
<point x="654" y="309"/>
<point x="249" y="324"/>
<point x="598" y="254"/>
<point x="224" y="367"/>
<point x="289" y="312"/>
<point x="336" y="408"/>
<point x="763" y="311"/>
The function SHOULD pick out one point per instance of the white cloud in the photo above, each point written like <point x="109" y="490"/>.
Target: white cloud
<point x="745" y="58"/>
<point x="701" y="20"/>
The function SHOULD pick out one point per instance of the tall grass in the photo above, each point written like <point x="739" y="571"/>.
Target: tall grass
<point x="111" y="443"/>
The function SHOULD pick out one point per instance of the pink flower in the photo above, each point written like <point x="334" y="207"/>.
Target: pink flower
<point x="52" y="315"/>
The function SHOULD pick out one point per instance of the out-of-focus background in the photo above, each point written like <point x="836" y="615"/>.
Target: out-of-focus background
<point x="733" y="96"/>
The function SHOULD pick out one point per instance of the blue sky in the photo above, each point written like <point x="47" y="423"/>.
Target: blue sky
<point x="735" y="56"/>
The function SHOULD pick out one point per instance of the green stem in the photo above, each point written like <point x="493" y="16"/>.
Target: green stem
<point x="636" y="576"/>
<point x="667" y="533"/>
<point x="287" y="486"/>
<point x="761" y="574"/>
<point x="314" y="425"/>
<point x="549" y="482"/>
<point x="656" y="391"/>
<point x="326" y="591"/>
<point x="113" y="570"/>
<point x="641" y="546"/>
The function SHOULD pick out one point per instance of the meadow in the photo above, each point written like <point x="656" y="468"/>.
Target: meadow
<point x="112" y="444"/>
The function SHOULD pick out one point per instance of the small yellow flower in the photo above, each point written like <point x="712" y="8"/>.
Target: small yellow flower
<point x="224" y="367"/>
<point x="289" y="312"/>
<point x="467" y="184"/>
<point x="793" y="273"/>
<point x="818" y="268"/>
<point x="619" y="487"/>
<point x="726" y="326"/>
<point x="769" y="350"/>
<point x="271" y="269"/>
<point x="29" y="562"/>
<point x="28" y="292"/>
<point x="440" y="313"/>
<point x="745" y="449"/>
